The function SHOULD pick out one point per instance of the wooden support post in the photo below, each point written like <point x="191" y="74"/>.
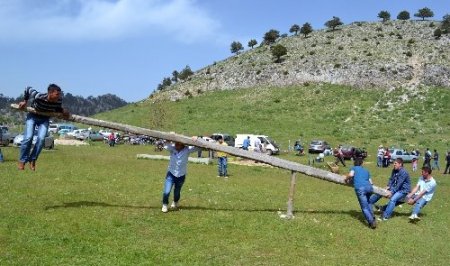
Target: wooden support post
<point x="290" y="204"/>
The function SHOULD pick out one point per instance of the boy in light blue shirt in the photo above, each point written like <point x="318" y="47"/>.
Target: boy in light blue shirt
<point x="176" y="172"/>
<point x="422" y="193"/>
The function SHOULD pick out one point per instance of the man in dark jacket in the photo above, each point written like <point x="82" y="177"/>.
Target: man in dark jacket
<point x="399" y="186"/>
<point x="43" y="102"/>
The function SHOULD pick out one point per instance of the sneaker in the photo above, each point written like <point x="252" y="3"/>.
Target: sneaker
<point x="219" y="176"/>
<point x="164" y="208"/>
<point x="377" y="208"/>
<point x="381" y="219"/>
<point x="174" y="205"/>
<point x="225" y="177"/>
<point x="33" y="165"/>
<point x="373" y="225"/>
<point x="414" y="217"/>
<point x="21" y="166"/>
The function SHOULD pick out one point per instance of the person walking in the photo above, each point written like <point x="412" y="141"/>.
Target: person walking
<point x="339" y="156"/>
<point x="435" y="160"/>
<point x="176" y="173"/>
<point x="380" y="153"/>
<point x="422" y="193"/>
<point x="222" y="160"/>
<point x="427" y="159"/>
<point x="42" y="102"/>
<point x="447" y="166"/>
<point x="363" y="189"/>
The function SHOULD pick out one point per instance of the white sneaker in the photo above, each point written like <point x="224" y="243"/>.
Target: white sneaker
<point x="164" y="208"/>
<point x="414" y="217"/>
<point x="174" y="205"/>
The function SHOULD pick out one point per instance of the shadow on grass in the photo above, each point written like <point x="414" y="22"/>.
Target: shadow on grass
<point x="356" y="214"/>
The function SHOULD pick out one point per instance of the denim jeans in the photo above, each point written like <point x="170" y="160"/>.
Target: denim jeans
<point x="435" y="165"/>
<point x="33" y="121"/>
<point x="222" y="164"/>
<point x="393" y="201"/>
<point x="419" y="205"/>
<point x="172" y="180"/>
<point x="379" y="161"/>
<point x="363" y="194"/>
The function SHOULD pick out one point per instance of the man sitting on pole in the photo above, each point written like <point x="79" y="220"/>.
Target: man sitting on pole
<point x="42" y="102"/>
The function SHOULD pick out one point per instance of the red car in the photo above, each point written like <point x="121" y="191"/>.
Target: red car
<point x="351" y="152"/>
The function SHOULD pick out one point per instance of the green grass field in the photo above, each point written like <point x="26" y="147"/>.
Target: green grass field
<point x="95" y="205"/>
<point x="101" y="206"/>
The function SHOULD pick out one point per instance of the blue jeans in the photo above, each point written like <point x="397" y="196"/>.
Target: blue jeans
<point x="33" y="121"/>
<point x="379" y="161"/>
<point x="419" y="205"/>
<point x="435" y="165"/>
<point x="172" y="180"/>
<point x="363" y="194"/>
<point x="388" y="209"/>
<point x="222" y="164"/>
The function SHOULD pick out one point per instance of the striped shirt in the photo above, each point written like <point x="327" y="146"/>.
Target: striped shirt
<point x="40" y="101"/>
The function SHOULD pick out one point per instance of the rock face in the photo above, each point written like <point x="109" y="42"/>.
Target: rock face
<point x="365" y="55"/>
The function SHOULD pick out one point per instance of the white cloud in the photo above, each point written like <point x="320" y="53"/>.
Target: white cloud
<point x="78" y="20"/>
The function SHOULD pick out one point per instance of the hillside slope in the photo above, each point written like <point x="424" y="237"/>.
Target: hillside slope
<point x="365" y="55"/>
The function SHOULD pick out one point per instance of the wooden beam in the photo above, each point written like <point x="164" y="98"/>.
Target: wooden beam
<point x="260" y="157"/>
<point x="290" y="205"/>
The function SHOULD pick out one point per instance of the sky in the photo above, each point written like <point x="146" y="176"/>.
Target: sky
<point x="126" y="47"/>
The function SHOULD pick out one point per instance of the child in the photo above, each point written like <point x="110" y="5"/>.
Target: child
<point x="222" y="159"/>
<point x="176" y="172"/>
<point x="414" y="164"/>
<point x="422" y="193"/>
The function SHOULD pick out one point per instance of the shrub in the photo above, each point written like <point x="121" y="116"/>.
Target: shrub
<point x="199" y="91"/>
<point x="312" y="53"/>
<point x="399" y="36"/>
<point x="337" y="65"/>
<point x="408" y="54"/>
<point x="379" y="29"/>
<point x="285" y="72"/>
<point x="411" y="41"/>
<point x="395" y="72"/>
<point x="403" y="15"/>
<point x="369" y="54"/>
<point x="314" y="45"/>
<point x="365" y="39"/>
<point x="380" y="35"/>
<point x="340" y="47"/>
<point x="278" y="51"/>
<point x="382" y="69"/>
<point x="258" y="72"/>
<point x="437" y="33"/>
<point x="188" y="94"/>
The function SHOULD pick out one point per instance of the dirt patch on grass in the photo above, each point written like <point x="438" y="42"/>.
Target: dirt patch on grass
<point x="71" y="142"/>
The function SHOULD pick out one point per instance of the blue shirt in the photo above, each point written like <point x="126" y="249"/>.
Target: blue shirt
<point x="179" y="159"/>
<point x="246" y="143"/>
<point x="360" y="177"/>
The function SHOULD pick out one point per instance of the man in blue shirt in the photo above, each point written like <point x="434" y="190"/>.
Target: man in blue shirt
<point x="176" y="172"/>
<point x="246" y="143"/>
<point x="399" y="186"/>
<point x="363" y="189"/>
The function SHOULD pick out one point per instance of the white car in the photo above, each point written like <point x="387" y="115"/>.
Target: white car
<point x="49" y="142"/>
<point x="105" y="133"/>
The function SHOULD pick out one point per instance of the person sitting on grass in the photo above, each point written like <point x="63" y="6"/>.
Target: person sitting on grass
<point x="176" y="172"/>
<point x="422" y="193"/>
<point x="43" y="102"/>
<point x="363" y="189"/>
<point x="399" y="186"/>
<point x="222" y="160"/>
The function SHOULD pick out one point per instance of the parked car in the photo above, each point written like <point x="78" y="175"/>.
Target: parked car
<point x="95" y="136"/>
<point x="319" y="146"/>
<point x="74" y="134"/>
<point x="352" y="152"/>
<point x="400" y="153"/>
<point x="49" y="141"/>
<point x="269" y="146"/>
<point x="105" y="133"/>
<point x="53" y="128"/>
<point x="226" y="138"/>
<point x="5" y="136"/>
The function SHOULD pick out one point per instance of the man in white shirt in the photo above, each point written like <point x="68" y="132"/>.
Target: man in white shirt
<point x="422" y="193"/>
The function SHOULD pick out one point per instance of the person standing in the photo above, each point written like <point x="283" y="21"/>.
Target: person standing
<point x="43" y="102"/>
<point x="380" y="154"/>
<point x="363" y="189"/>
<point x="447" y="166"/>
<point x="246" y="143"/>
<point x="427" y="159"/>
<point x="386" y="157"/>
<point x="257" y="144"/>
<point x="111" y="139"/>
<point x="435" y="160"/>
<point x="222" y="160"/>
<point x="422" y="193"/>
<point x="399" y="186"/>
<point x="176" y="172"/>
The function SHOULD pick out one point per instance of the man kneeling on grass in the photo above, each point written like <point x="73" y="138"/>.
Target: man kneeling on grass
<point x="363" y="188"/>
<point x="176" y="172"/>
<point x="422" y="192"/>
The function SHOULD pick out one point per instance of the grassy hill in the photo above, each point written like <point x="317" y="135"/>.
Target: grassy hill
<point x="402" y="117"/>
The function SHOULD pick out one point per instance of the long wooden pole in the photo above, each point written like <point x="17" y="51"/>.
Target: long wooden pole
<point x="260" y="157"/>
<point x="290" y="205"/>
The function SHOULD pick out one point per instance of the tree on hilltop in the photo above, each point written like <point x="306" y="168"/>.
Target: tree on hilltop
<point x="236" y="47"/>
<point x="445" y="25"/>
<point x="294" y="29"/>
<point x="252" y="43"/>
<point x="333" y="23"/>
<point x="271" y="36"/>
<point x="306" y="29"/>
<point x="424" y="13"/>
<point x="185" y="73"/>
<point x="175" y="76"/>
<point x="278" y="51"/>
<point x="403" y="15"/>
<point x="384" y="15"/>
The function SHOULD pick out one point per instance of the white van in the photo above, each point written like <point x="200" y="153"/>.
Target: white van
<point x="53" y="128"/>
<point x="268" y="145"/>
